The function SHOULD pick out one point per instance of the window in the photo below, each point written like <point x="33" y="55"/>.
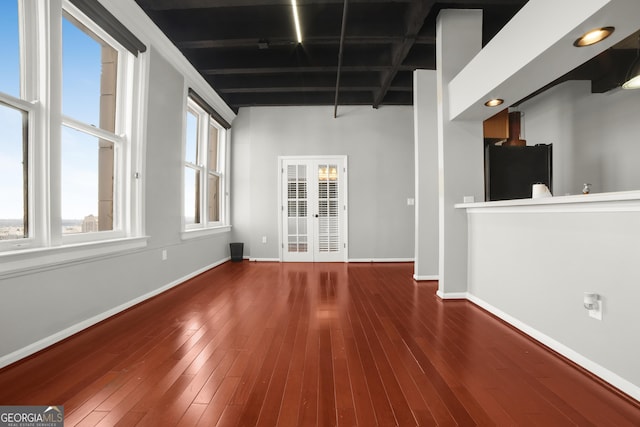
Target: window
<point x="16" y="113"/>
<point x="204" y="201"/>
<point x="67" y="157"/>
<point x="90" y="104"/>
<point x="9" y="48"/>
<point x="14" y="222"/>
<point x="213" y="174"/>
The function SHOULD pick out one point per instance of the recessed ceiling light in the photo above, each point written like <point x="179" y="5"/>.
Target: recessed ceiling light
<point x="494" y="102"/>
<point x="594" y="36"/>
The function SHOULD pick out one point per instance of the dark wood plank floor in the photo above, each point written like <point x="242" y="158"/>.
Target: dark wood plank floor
<point x="309" y="344"/>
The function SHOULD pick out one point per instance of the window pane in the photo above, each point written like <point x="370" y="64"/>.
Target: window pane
<point x="191" y="196"/>
<point x="13" y="174"/>
<point x="89" y="74"/>
<point x="213" y="148"/>
<point x="87" y="183"/>
<point x="9" y="48"/>
<point x="214" y="198"/>
<point x="191" y="150"/>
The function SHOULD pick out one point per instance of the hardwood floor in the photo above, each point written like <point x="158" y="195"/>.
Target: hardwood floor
<point x="309" y="344"/>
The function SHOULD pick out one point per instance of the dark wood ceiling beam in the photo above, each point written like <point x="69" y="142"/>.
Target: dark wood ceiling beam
<point x="279" y="41"/>
<point x="208" y="4"/>
<point x="317" y="69"/>
<point x="307" y="89"/>
<point x="340" y="55"/>
<point x="299" y="98"/>
<point x="384" y="42"/>
<point x="233" y="43"/>
<point x="288" y="80"/>
<point x="416" y="14"/>
<point x="298" y="89"/>
<point x="313" y="98"/>
<point x="291" y="57"/>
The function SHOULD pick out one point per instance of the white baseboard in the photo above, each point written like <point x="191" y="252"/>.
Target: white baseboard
<point x="350" y="260"/>
<point x="425" y="278"/>
<point x="380" y="260"/>
<point x="451" y="295"/>
<point x="78" y="327"/>
<point x="596" y="369"/>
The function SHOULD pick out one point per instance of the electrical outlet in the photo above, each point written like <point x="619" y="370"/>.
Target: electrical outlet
<point x="264" y="239"/>
<point x="593" y="303"/>
<point x="596" y="313"/>
<point x="411" y="201"/>
<point x="164" y="254"/>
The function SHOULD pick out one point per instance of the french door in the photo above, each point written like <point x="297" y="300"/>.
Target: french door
<point x="314" y="209"/>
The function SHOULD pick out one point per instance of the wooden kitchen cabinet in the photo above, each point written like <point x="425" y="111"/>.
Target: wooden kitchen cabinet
<point x="497" y="126"/>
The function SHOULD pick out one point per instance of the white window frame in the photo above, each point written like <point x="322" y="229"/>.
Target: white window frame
<point x="27" y="102"/>
<point x="205" y="120"/>
<point x="28" y="108"/>
<point x="120" y="138"/>
<point x="40" y="96"/>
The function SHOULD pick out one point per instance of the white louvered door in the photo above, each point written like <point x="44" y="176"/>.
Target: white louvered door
<point x="313" y="209"/>
<point x="328" y="209"/>
<point x="296" y="227"/>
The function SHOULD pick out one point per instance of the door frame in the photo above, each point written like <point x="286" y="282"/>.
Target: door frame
<point x="280" y="206"/>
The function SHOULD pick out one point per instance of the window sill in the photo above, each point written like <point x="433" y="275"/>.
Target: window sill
<point x="204" y="232"/>
<point x="17" y="263"/>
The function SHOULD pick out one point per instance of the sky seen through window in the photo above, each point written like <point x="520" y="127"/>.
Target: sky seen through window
<point x="81" y="101"/>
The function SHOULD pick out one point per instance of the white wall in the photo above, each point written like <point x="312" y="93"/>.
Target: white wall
<point x="379" y="145"/>
<point x="534" y="263"/>
<point x="39" y="308"/>
<point x="596" y="137"/>
<point x="460" y="151"/>
<point x="425" y="110"/>
<point x="533" y="267"/>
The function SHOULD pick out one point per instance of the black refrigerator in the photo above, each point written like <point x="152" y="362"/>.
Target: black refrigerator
<point x="510" y="172"/>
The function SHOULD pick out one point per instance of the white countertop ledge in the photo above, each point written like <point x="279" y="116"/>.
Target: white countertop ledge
<point x="619" y="196"/>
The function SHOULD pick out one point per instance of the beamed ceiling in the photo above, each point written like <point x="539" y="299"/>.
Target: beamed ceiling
<point x="247" y="49"/>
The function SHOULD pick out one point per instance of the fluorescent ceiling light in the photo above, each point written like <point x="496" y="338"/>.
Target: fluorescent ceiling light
<point x="294" y="6"/>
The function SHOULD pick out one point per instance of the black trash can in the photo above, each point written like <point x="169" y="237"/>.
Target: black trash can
<point x="236" y="251"/>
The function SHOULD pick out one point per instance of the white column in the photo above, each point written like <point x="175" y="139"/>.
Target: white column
<point x="460" y="148"/>
<point x="425" y="122"/>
